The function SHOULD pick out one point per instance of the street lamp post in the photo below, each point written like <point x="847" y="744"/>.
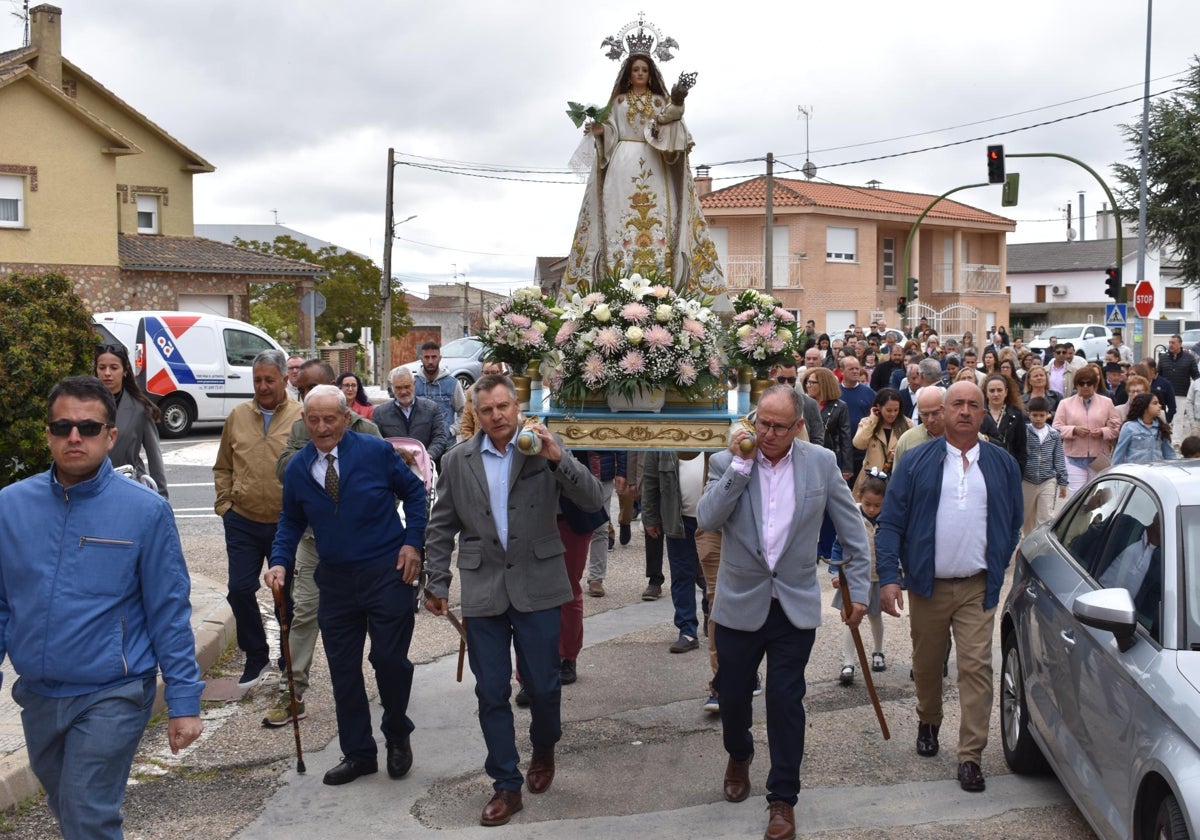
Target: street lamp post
<point x="384" y="360"/>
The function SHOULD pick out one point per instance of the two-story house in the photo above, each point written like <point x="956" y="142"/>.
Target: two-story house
<point x="838" y="250"/>
<point x="94" y="190"/>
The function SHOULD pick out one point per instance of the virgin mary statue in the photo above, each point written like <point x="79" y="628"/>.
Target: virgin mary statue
<point x="640" y="213"/>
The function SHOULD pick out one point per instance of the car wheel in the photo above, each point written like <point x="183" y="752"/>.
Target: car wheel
<point x="1021" y="752"/>
<point x="1169" y="824"/>
<point x="176" y="417"/>
<point x="465" y="380"/>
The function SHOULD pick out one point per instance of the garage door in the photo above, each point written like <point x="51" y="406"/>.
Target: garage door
<point x="206" y="304"/>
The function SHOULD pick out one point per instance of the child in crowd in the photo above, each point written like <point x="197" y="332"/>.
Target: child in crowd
<point x="870" y="502"/>
<point x="1145" y="435"/>
<point x="1190" y="448"/>
<point x="1045" y="466"/>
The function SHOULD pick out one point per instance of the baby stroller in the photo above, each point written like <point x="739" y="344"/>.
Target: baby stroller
<point x="414" y="454"/>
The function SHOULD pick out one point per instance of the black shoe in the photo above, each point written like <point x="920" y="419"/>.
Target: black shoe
<point x="350" y="769"/>
<point x="970" y="777"/>
<point x="927" y="739"/>
<point x="523" y="698"/>
<point x="626" y="533"/>
<point x="399" y="758"/>
<point x="566" y="672"/>
<point x="253" y="672"/>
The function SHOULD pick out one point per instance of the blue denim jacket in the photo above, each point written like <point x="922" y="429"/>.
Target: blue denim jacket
<point x="1141" y="444"/>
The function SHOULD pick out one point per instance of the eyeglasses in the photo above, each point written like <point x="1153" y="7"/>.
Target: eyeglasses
<point x="87" y="428"/>
<point x="1060" y="352"/>
<point x="115" y="349"/>
<point x="773" y="428"/>
<point x="811" y="382"/>
<point x="786" y="380"/>
<point x="294" y="367"/>
<point x="1085" y="384"/>
<point x="929" y="415"/>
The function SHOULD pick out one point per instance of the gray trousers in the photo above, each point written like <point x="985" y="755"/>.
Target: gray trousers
<point x="302" y="638"/>
<point x="598" y="550"/>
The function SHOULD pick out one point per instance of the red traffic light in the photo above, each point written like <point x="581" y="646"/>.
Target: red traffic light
<point x="995" y="164"/>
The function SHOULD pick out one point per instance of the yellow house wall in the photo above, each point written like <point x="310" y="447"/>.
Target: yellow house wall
<point x="160" y="165"/>
<point x="70" y="219"/>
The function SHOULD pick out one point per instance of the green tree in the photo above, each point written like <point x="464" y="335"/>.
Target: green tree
<point x="45" y="336"/>
<point x="350" y="287"/>
<point x="1172" y="174"/>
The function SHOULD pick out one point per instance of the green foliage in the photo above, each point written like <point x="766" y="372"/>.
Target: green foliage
<point x="45" y="336"/>
<point x="1172" y="174"/>
<point x="350" y="287"/>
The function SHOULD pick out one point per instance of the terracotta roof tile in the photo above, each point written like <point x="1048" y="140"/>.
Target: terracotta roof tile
<point x="791" y="193"/>
<point x="195" y="254"/>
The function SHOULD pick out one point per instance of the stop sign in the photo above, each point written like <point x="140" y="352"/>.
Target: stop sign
<point x="1143" y="298"/>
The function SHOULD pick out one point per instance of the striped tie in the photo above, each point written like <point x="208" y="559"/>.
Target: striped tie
<point x="331" y="477"/>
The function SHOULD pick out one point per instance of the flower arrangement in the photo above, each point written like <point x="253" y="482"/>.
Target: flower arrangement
<point x="633" y="333"/>
<point x="762" y="333"/>
<point x="517" y="329"/>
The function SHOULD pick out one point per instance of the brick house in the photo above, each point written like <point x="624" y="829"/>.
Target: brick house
<point x="94" y="190"/>
<point x="838" y="252"/>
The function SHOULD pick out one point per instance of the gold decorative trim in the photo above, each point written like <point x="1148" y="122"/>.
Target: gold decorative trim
<point x="666" y="434"/>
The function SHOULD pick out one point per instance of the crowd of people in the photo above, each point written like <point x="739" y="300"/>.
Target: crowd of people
<point x="827" y="469"/>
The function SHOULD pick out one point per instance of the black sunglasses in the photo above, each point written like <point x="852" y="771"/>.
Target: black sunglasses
<point x="115" y="349"/>
<point x="786" y="380"/>
<point x="87" y="428"/>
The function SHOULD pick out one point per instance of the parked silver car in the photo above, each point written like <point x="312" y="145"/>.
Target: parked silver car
<point x="1101" y="652"/>
<point x="463" y="357"/>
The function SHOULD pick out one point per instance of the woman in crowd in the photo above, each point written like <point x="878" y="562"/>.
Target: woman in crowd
<point x="1089" y="425"/>
<point x="878" y="433"/>
<point x="1145" y="435"/>
<point x="822" y="386"/>
<point x="1009" y="369"/>
<point x="1037" y="384"/>
<point x="1134" y="385"/>
<point x="870" y="360"/>
<point x="136" y="416"/>
<point x="1004" y="422"/>
<point x="356" y="394"/>
<point x="989" y="361"/>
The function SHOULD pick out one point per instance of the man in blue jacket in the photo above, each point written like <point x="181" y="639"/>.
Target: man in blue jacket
<point x="93" y="601"/>
<point x="951" y="517"/>
<point x="344" y="486"/>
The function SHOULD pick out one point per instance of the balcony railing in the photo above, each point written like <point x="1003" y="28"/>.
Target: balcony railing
<point x="976" y="278"/>
<point x="747" y="273"/>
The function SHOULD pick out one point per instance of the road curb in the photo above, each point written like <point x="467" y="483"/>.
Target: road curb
<point x="212" y="625"/>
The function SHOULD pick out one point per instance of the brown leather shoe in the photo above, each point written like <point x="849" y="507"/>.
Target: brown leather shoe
<point x="541" y="771"/>
<point x="737" y="779"/>
<point x="502" y="806"/>
<point x="782" y="822"/>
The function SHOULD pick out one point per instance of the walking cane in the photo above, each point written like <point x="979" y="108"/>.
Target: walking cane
<point x="844" y="588"/>
<point x="462" y="641"/>
<point x="284" y="630"/>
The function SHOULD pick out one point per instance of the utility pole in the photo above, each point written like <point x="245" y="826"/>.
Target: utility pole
<point x="383" y="362"/>
<point x="769" y="241"/>
<point x="466" y="308"/>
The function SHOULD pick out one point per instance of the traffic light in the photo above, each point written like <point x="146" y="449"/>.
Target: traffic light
<point x="913" y="288"/>
<point x="995" y="155"/>
<point x="1113" y="283"/>
<point x="901" y="304"/>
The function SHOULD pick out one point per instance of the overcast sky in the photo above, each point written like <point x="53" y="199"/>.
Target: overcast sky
<point x="297" y="102"/>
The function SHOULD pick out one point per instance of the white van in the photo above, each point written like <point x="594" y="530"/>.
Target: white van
<point x="196" y="367"/>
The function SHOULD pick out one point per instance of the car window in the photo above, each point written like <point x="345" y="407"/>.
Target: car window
<point x="1081" y="530"/>
<point x="1190" y="573"/>
<point x="1093" y="332"/>
<point x="241" y="347"/>
<point x="1131" y="557"/>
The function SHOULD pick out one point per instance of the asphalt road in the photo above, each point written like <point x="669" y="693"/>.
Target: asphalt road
<point x="639" y="757"/>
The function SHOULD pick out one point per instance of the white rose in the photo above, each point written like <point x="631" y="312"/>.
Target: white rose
<point x="602" y="313"/>
<point x="541" y="327"/>
<point x="634" y="334"/>
<point x="663" y="312"/>
<point x="743" y="331"/>
<point x="783" y="335"/>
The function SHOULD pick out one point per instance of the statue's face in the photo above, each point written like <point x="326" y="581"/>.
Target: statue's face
<point x="639" y="73"/>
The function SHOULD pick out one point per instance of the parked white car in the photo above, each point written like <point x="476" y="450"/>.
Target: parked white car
<point x="1090" y="340"/>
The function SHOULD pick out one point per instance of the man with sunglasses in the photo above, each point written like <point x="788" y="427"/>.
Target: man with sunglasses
<point x="1059" y="371"/>
<point x="768" y="505"/>
<point x="93" y="601"/>
<point x="813" y="427"/>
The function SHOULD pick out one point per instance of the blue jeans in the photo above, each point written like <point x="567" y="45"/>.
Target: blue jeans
<point x="684" y="561"/>
<point x="535" y="635"/>
<point x="81" y="749"/>
<point x="248" y="546"/>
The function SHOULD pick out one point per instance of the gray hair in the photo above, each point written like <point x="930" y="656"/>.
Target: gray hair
<point x="274" y="358"/>
<point x="319" y="391"/>
<point x="931" y="371"/>
<point x="491" y="382"/>
<point x="792" y="395"/>
<point x="400" y="372"/>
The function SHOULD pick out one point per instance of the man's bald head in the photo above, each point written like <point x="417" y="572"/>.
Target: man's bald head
<point x="930" y="408"/>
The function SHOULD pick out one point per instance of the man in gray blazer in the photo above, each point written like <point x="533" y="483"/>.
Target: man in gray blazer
<point x="411" y="417"/>
<point x="502" y="504"/>
<point x="769" y="505"/>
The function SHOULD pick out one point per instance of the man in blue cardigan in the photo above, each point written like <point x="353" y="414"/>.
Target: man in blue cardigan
<point x="344" y="485"/>
<point x="951" y="517"/>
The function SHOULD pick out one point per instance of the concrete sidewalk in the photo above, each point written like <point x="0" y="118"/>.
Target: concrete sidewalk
<point x="212" y="624"/>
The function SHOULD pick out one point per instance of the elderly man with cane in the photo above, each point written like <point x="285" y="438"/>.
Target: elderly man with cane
<point x="344" y="485"/>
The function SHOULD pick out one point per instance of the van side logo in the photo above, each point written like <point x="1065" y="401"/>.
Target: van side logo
<point x="162" y="340"/>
